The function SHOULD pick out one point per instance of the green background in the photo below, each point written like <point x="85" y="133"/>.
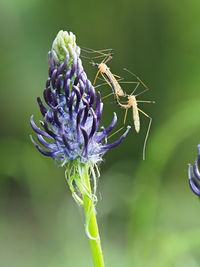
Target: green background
<point x="147" y="214"/>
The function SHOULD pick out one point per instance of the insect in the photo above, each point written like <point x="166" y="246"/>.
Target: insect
<point x="132" y="103"/>
<point x="118" y="92"/>
<point x="109" y="77"/>
<point x="106" y="73"/>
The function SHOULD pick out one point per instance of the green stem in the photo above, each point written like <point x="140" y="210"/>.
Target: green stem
<point x="91" y="222"/>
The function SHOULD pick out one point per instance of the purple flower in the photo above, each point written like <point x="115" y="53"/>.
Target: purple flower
<point x="194" y="174"/>
<point x="70" y="129"/>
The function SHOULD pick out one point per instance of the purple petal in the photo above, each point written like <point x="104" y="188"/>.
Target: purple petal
<point x="64" y="138"/>
<point x="198" y="159"/>
<point x="85" y="113"/>
<point x="54" y="98"/>
<point x="53" y="78"/>
<point x="36" y="129"/>
<point x="116" y="143"/>
<point x="55" y="57"/>
<point x="98" y="102"/>
<point x="45" y="96"/>
<point x="66" y="78"/>
<point x="42" y="107"/>
<point x="66" y="61"/>
<point x="79" y="66"/>
<point x="77" y="78"/>
<point x="73" y="69"/>
<point x="98" y="107"/>
<point x="85" y="136"/>
<point x="60" y="68"/>
<point x="190" y="172"/>
<point x="70" y="107"/>
<point x="108" y="129"/>
<point x="66" y="90"/>
<point x="48" y="96"/>
<point x="45" y="125"/>
<point x="49" y="116"/>
<point x="194" y="185"/>
<point x="58" y="83"/>
<point x="44" y="152"/>
<point x="56" y="119"/>
<point x="81" y="87"/>
<point x="48" y="82"/>
<point x="94" y="125"/>
<point x="44" y="142"/>
<point x="196" y="170"/>
<point x="78" y="97"/>
<point x="78" y="119"/>
<point x="90" y="93"/>
<point x="51" y="63"/>
<point x="100" y="113"/>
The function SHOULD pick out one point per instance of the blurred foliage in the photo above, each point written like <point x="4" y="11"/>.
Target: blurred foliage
<point x="147" y="214"/>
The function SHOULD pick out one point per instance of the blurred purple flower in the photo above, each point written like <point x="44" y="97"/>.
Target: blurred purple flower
<point x="194" y="174"/>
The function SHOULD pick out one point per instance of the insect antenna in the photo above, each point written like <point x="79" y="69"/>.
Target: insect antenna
<point x="108" y="57"/>
<point x="92" y="51"/>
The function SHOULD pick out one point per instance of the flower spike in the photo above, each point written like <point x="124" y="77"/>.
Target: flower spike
<point x="70" y="133"/>
<point x="73" y="111"/>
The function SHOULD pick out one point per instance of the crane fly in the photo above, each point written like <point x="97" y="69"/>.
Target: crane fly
<point x="133" y="103"/>
<point x="111" y="80"/>
<point x="106" y="73"/>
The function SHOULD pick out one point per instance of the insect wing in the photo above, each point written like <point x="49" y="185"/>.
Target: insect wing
<point x="136" y="117"/>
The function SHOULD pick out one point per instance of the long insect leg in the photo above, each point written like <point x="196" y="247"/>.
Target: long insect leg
<point x="95" y="79"/>
<point x="127" y="82"/>
<point x="106" y="80"/>
<point x="104" y="97"/>
<point x="116" y="76"/>
<point x="146" y="101"/>
<point x="147" y="134"/>
<point x="116" y="132"/>
<point x="95" y="56"/>
<point x="136" y="77"/>
<point x="100" y="52"/>
<point x="104" y="83"/>
<point x="92" y="57"/>
<point x="92" y="51"/>
<point x="125" y="116"/>
<point x="108" y="57"/>
<point x="135" y="88"/>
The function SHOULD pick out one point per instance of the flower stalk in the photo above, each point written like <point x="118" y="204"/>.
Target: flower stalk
<point x="78" y="178"/>
<point x="91" y="222"/>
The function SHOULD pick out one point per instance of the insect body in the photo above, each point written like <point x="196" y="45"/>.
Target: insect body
<point x="132" y="103"/>
<point x="108" y="76"/>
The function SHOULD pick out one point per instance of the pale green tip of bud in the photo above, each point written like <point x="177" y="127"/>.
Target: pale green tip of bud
<point x="63" y="45"/>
